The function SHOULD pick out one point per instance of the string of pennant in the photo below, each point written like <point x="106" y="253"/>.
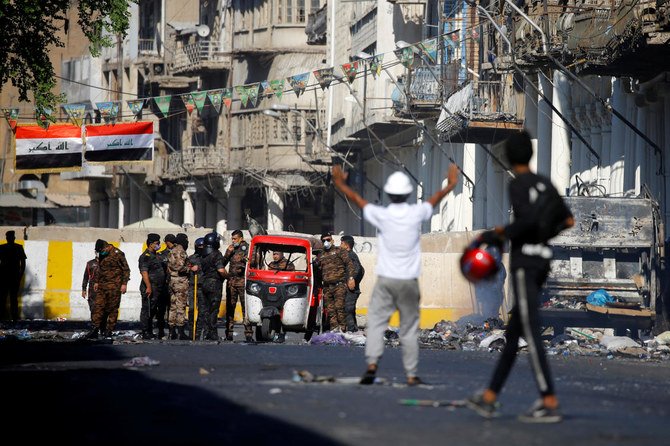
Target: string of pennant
<point x="249" y="94"/>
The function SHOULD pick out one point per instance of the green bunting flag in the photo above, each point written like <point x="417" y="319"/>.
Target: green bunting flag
<point x="75" y="112"/>
<point x="350" y="70"/>
<point x="429" y="48"/>
<point x="215" y="98"/>
<point x="299" y="83"/>
<point x="136" y="106"/>
<point x="277" y="86"/>
<point x="252" y="93"/>
<point x="324" y="77"/>
<point x="375" y="63"/>
<point x="163" y="104"/>
<point x="227" y="97"/>
<point x="406" y="56"/>
<point x="199" y="97"/>
<point x="189" y="103"/>
<point x="243" y="94"/>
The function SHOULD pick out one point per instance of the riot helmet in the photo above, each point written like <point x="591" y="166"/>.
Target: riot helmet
<point x="199" y="245"/>
<point x="480" y="261"/>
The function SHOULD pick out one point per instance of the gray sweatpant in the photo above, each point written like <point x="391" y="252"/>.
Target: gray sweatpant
<point x="389" y="295"/>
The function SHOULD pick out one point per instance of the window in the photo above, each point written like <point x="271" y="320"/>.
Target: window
<point x="289" y="11"/>
<point x="314" y="5"/>
<point x="301" y="11"/>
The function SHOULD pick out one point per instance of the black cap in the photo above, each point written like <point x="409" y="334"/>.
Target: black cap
<point x="182" y="239"/>
<point x="169" y="238"/>
<point x="348" y="240"/>
<point x="153" y="238"/>
<point x="100" y="244"/>
<point x="326" y="234"/>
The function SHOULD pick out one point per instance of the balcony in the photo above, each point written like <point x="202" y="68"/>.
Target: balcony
<point x="147" y="47"/>
<point x="194" y="161"/>
<point x="203" y="54"/>
<point x="422" y="97"/>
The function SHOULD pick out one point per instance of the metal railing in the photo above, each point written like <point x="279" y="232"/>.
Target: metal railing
<point x="196" y="160"/>
<point x="203" y="52"/>
<point x="147" y="46"/>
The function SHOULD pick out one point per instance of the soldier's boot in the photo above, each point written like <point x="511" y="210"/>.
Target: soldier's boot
<point x="182" y="334"/>
<point x="93" y="334"/>
<point x="173" y="332"/>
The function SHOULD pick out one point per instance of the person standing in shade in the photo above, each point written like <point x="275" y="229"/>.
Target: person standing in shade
<point x="337" y="274"/>
<point x="236" y="258"/>
<point x="153" y="280"/>
<point x="179" y="272"/>
<point x="164" y="298"/>
<point x="12" y="267"/>
<point x="112" y="282"/>
<point x="539" y="214"/>
<point x="88" y="283"/>
<point x="347" y="244"/>
<point x="195" y="288"/>
<point x="398" y="265"/>
<point x="213" y="274"/>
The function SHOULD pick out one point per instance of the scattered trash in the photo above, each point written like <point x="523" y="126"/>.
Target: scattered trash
<point x="203" y="371"/>
<point x="275" y="391"/>
<point x="307" y="377"/>
<point x="599" y="298"/>
<point x="663" y="338"/>
<point x="357" y="338"/>
<point x="141" y="361"/>
<point x="614" y="343"/>
<point x="432" y="403"/>
<point x="329" y="338"/>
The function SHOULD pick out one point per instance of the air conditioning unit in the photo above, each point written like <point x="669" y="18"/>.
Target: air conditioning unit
<point x="158" y="69"/>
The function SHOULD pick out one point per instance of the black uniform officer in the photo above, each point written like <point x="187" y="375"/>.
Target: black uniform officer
<point x="195" y="288"/>
<point x="213" y="274"/>
<point x="164" y="298"/>
<point x="153" y="281"/>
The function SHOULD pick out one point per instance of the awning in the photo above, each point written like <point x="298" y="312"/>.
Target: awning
<point x="15" y="200"/>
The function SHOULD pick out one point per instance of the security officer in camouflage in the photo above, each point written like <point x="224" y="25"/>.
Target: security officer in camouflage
<point x="195" y="295"/>
<point x="237" y="255"/>
<point x="112" y="281"/>
<point x="153" y="281"/>
<point x="164" y="298"/>
<point x="213" y="273"/>
<point x="338" y="273"/>
<point x="88" y="283"/>
<point x="179" y="272"/>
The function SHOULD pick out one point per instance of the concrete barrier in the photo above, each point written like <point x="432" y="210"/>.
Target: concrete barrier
<point x="57" y="257"/>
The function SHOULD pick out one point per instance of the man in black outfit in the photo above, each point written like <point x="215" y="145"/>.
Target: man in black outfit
<point x="347" y="243"/>
<point x="12" y="267"/>
<point x="539" y="214"/>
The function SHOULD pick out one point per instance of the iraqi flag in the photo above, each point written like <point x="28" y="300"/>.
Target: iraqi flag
<point x="54" y="149"/>
<point x="130" y="141"/>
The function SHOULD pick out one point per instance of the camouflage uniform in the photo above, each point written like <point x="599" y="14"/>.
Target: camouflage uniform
<point x="212" y="292"/>
<point x="151" y="263"/>
<point x="334" y="264"/>
<point x="179" y="272"/>
<point x="194" y="296"/>
<point x="112" y="272"/>
<point x="88" y="283"/>
<point x="164" y="298"/>
<point x="281" y="265"/>
<point x="235" y="286"/>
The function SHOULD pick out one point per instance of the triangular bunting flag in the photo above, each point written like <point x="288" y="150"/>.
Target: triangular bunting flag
<point x="108" y="110"/>
<point x="406" y="56"/>
<point x="227" y="97"/>
<point x="43" y="117"/>
<point x="189" y="103"/>
<point x="199" y="97"/>
<point x="267" y="91"/>
<point x="243" y="94"/>
<point x="277" y="86"/>
<point x="252" y="93"/>
<point x="215" y="98"/>
<point x="350" y="70"/>
<point x="136" y="106"/>
<point x="163" y="104"/>
<point x="324" y="77"/>
<point x="299" y="83"/>
<point x="429" y="48"/>
<point x="75" y="112"/>
<point x="11" y="115"/>
<point x="375" y="63"/>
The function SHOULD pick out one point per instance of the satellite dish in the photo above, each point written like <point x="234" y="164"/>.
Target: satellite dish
<point x="202" y="30"/>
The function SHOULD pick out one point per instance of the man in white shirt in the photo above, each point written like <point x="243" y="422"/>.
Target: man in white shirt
<point x="398" y="265"/>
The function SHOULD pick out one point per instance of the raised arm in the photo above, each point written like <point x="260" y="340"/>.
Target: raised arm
<point x="340" y="182"/>
<point x="452" y="180"/>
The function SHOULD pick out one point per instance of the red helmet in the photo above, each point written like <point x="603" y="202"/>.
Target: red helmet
<point x="480" y="262"/>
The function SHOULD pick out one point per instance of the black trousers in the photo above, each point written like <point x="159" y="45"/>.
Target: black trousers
<point x="525" y="321"/>
<point x="9" y="289"/>
<point x="350" y="300"/>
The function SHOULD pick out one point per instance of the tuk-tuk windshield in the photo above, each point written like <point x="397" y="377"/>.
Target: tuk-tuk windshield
<point x="278" y="257"/>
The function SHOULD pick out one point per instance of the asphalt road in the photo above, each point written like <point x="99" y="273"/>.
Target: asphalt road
<point x="80" y="393"/>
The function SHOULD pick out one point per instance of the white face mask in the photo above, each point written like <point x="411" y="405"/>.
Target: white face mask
<point x="327" y="245"/>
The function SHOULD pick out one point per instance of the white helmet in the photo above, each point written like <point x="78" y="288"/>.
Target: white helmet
<point x="398" y="184"/>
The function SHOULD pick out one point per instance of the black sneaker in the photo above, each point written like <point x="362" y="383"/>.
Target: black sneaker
<point x="538" y="413"/>
<point x="413" y="381"/>
<point x="484" y="409"/>
<point x="368" y="377"/>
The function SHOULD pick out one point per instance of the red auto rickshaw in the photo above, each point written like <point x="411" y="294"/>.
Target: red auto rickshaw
<point x="284" y="297"/>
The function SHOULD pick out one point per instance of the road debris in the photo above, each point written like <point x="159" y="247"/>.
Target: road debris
<point x="141" y="361"/>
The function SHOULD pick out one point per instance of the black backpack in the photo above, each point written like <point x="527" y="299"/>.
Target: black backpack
<point x="551" y="212"/>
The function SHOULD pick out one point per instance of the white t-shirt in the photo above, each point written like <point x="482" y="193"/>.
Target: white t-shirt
<point x="399" y="228"/>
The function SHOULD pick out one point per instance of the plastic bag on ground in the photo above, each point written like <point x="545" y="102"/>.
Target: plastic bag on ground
<point x="329" y="338"/>
<point x="614" y="343"/>
<point x="599" y="298"/>
<point x="357" y="338"/>
<point x="663" y="338"/>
